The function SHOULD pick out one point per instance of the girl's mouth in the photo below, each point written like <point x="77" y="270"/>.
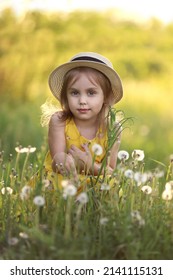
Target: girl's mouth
<point x="83" y="111"/>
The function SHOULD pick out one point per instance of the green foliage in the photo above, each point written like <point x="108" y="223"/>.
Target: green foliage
<point x="33" y="45"/>
<point x="117" y="222"/>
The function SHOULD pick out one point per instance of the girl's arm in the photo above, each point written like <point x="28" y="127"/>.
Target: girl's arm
<point x="61" y="161"/>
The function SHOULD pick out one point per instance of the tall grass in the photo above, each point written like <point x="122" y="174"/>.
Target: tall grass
<point x="129" y="219"/>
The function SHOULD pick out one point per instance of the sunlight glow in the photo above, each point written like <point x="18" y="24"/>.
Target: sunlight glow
<point x="142" y="9"/>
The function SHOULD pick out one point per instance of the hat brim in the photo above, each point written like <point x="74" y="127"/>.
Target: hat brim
<point x="57" y="76"/>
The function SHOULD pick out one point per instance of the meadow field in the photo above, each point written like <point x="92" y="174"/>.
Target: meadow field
<point x="131" y="219"/>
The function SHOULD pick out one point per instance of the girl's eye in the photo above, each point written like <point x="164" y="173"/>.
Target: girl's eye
<point x="74" y="93"/>
<point x="91" y="93"/>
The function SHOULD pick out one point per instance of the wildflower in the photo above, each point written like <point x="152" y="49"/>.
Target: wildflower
<point x="47" y="185"/>
<point x="97" y="149"/>
<point x="140" y="178"/>
<point x="64" y="183"/>
<point x="21" y="150"/>
<point x="82" y="198"/>
<point x="159" y="173"/>
<point x="25" y="192"/>
<point x="123" y="155"/>
<point x="69" y="190"/>
<point x="129" y="173"/>
<point x="135" y="214"/>
<point x="103" y="221"/>
<point x="23" y="235"/>
<point x="146" y="189"/>
<point x="138" y="155"/>
<point x="105" y="187"/>
<point x="167" y="195"/>
<point x="13" y="241"/>
<point x="31" y="149"/>
<point x="6" y="190"/>
<point x="137" y="219"/>
<point x="39" y="200"/>
<point x="169" y="186"/>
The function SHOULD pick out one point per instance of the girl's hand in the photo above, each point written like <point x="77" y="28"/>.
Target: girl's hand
<point x="83" y="159"/>
<point x="64" y="164"/>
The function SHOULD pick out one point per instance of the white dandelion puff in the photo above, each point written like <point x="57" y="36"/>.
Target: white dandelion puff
<point x="23" y="235"/>
<point x="13" y="241"/>
<point x="39" y="200"/>
<point x="21" y="150"/>
<point x="137" y="219"/>
<point x="129" y="173"/>
<point x="104" y="220"/>
<point x="146" y="189"/>
<point x="97" y="149"/>
<point x="167" y="195"/>
<point x="140" y="178"/>
<point x="82" y="198"/>
<point x="69" y="190"/>
<point x="105" y="187"/>
<point x="31" y="149"/>
<point x="138" y="155"/>
<point x="169" y="186"/>
<point x="25" y="192"/>
<point x="6" y="190"/>
<point x="65" y="183"/>
<point x="123" y="155"/>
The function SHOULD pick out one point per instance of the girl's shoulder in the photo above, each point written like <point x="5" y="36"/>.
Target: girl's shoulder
<point x="57" y="119"/>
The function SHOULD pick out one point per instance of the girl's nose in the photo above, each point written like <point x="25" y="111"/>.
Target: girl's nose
<point x="82" y="100"/>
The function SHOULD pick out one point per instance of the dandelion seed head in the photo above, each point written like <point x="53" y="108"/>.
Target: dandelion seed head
<point x="146" y="189"/>
<point x="31" y="149"/>
<point x="137" y="219"/>
<point x="140" y="178"/>
<point x="97" y="149"/>
<point x="159" y="173"/>
<point x="21" y="150"/>
<point x="23" y="235"/>
<point x="105" y="187"/>
<point x="39" y="200"/>
<point x="123" y="155"/>
<point x="104" y="220"/>
<point x="82" y="198"/>
<point x="69" y="190"/>
<point x="65" y="183"/>
<point x="138" y="155"/>
<point x="13" y="241"/>
<point x="167" y="195"/>
<point x="129" y="173"/>
<point x="25" y="192"/>
<point x="6" y="190"/>
<point x="47" y="185"/>
<point x="169" y="186"/>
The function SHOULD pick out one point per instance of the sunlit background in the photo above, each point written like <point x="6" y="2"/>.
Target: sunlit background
<point x="137" y="36"/>
<point x="142" y="10"/>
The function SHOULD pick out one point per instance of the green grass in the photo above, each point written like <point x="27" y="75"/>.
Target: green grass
<point x="120" y="223"/>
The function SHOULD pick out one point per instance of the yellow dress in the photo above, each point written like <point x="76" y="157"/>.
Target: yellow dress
<point x="73" y="137"/>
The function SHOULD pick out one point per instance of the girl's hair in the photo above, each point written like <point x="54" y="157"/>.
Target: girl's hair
<point x="91" y="73"/>
<point x="71" y="75"/>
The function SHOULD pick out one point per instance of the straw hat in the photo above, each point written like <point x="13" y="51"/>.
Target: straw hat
<point x="87" y="59"/>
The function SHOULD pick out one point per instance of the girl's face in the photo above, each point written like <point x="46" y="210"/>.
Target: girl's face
<point x="85" y="97"/>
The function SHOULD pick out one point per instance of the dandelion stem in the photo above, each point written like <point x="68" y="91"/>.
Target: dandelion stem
<point x="67" y="233"/>
<point x="24" y="167"/>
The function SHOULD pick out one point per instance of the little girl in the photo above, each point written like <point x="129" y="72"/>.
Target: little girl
<point x="86" y="86"/>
